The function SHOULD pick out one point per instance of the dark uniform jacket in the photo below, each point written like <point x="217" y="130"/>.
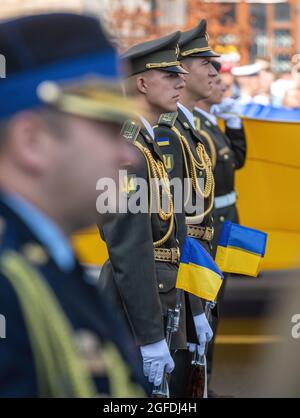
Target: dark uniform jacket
<point x="141" y="288"/>
<point x="80" y="300"/>
<point x="228" y="152"/>
<point x="175" y="160"/>
<point x="167" y="133"/>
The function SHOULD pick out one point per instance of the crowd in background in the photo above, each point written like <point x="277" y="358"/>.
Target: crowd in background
<point x="257" y="83"/>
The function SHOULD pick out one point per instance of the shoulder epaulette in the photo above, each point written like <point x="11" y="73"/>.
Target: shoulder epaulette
<point x="168" y="119"/>
<point x="130" y="131"/>
<point x="197" y="121"/>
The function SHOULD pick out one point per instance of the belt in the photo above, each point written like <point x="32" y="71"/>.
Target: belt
<point x="226" y="200"/>
<point x="205" y="233"/>
<point x="168" y="255"/>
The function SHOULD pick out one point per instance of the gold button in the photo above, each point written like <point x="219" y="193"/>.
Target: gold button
<point x="222" y="219"/>
<point x="35" y="253"/>
<point x="161" y="286"/>
<point x="200" y="173"/>
<point x="226" y="156"/>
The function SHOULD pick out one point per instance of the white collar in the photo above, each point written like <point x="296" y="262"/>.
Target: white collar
<point x="148" y="127"/>
<point x="209" y="116"/>
<point x="189" y="115"/>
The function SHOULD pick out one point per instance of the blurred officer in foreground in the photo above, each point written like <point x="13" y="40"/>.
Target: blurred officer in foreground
<point x="184" y="147"/>
<point x="143" y="250"/>
<point x="60" y="123"/>
<point x="227" y="152"/>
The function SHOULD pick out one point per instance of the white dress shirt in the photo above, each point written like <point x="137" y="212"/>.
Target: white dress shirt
<point x="189" y="115"/>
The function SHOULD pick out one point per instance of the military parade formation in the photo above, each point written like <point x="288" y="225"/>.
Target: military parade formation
<point x="132" y="332"/>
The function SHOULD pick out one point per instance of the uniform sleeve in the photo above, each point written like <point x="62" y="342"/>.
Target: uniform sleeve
<point x="238" y="145"/>
<point x="17" y="376"/>
<point x="130" y="246"/>
<point x="196" y="305"/>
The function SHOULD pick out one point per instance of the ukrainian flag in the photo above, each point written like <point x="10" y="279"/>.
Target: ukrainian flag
<point x="162" y="142"/>
<point x="198" y="273"/>
<point x="241" y="249"/>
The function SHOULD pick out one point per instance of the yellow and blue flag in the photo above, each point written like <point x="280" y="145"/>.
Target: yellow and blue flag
<point x="240" y="249"/>
<point x="162" y="142"/>
<point x="198" y="273"/>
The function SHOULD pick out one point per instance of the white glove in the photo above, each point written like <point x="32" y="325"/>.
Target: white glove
<point x="156" y="357"/>
<point x="192" y="348"/>
<point x="203" y="331"/>
<point x="228" y="110"/>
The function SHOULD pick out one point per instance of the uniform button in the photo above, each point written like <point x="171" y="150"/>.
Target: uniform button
<point x="226" y="156"/>
<point x="161" y="286"/>
<point x="186" y="125"/>
<point x="200" y="173"/>
<point x="222" y="219"/>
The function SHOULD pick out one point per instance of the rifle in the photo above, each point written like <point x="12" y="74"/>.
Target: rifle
<point x="197" y="386"/>
<point x="173" y="316"/>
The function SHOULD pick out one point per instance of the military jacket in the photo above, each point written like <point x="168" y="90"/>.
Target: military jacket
<point x="181" y="144"/>
<point x="227" y="151"/>
<point x="141" y="286"/>
<point x="90" y="318"/>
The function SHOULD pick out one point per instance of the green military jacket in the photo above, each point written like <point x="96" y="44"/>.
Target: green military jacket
<point x="142" y="287"/>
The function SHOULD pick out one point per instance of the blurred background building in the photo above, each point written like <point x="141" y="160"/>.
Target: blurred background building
<point x="243" y="30"/>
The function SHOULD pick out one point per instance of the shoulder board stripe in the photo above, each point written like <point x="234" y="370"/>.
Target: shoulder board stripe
<point x="168" y="119"/>
<point x="130" y="131"/>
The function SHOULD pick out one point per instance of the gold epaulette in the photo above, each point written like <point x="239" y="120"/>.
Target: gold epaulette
<point x="130" y="131"/>
<point x="168" y="119"/>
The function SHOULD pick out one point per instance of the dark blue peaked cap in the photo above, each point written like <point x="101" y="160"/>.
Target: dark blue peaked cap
<point x="59" y="49"/>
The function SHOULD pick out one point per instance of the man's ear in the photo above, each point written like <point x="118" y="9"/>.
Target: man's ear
<point x="186" y="63"/>
<point x="25" y="136"/>
<point x="142" y="84"/>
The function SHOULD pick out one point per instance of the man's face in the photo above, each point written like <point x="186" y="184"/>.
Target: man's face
<point x="163" y="89"/>
<point x="227" y="80"/>
<point x="199" y="79"/>
<point x="55" y="161"/>
<point x="218" y="90"/>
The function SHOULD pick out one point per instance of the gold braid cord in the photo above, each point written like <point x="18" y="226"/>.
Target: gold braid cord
<point x="211" y="147"/>
<point x="158" y="172"/>
<point x="204" y="164"/>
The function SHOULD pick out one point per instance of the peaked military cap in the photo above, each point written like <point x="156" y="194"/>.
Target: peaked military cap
<point x="159" y="54"/>
<point x="194" y="43"/>
<point x="247" y="70"/>
<point x="72" y="67"/>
